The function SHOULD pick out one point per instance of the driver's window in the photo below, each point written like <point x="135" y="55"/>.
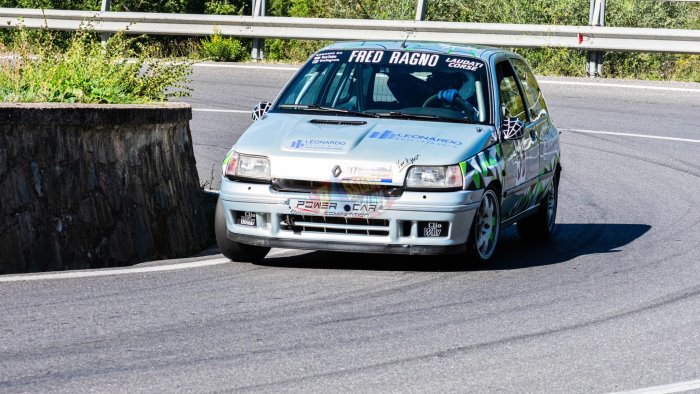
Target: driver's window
<point x="535" y="100"/>
<point x="512" y="104"/>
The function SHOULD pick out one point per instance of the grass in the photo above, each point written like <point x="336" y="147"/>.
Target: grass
<point x="48" y="68"/>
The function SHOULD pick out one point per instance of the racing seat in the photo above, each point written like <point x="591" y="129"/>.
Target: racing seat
<point x="409" y="91"/>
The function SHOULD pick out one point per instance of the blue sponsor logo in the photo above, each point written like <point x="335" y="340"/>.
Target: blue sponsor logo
<point x="385" y="135"/>
<point x="318" y="144"/>
<point x="390" y="135"/>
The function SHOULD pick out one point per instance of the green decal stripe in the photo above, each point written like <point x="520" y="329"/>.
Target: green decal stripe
<point x="477" y="179"/>
<point x="228" y="157"/>
<point x="493" y="162"/>
<point x="463" y="166"/>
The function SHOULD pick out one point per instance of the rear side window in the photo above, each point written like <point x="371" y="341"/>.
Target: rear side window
<point x="533" y="94"/>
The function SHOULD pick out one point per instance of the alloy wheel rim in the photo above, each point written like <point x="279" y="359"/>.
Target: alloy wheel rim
<point x="487" y="226"/>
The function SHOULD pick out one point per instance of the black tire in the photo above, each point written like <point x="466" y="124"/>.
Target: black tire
<point x="542" y="225"/>
<point x="486" y="227"/>
<point x="233" y="250"/>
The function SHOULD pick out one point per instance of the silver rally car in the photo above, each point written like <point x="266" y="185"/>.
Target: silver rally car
<point x="391" y="147"/>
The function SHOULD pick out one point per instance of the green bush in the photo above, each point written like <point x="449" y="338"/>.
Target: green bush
<point x="222" y="7"/>
<point x="223" y="49"/>
<point x="294" y="51"/>
<point x="120" y="72"/>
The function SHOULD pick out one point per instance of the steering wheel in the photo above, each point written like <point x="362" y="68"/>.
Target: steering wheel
<point x="471" y="111"/>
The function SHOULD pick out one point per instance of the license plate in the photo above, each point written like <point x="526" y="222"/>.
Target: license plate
<point x="334" y="208"/>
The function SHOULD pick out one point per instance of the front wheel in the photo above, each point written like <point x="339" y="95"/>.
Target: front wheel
<point x="233" y="250"/>
<point x="486" y="228"/>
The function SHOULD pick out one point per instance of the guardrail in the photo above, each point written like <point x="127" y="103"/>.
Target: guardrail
<point x="507" y="35"/>
<point x="594" y="39"/>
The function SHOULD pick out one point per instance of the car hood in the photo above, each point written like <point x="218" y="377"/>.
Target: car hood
<point x="310" y="147"/>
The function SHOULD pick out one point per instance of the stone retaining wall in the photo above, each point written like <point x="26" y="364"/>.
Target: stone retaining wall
<point x="86" y="186"/>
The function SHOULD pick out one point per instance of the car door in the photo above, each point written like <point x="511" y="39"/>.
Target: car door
<point x="540" y="120"/>
<point x="522" y="156"/>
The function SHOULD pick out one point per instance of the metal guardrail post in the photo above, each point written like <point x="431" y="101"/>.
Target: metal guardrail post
<point x="596" y="17"/>
<point x="106" y="5"/>
<point x="258" y="43"/>
<point x="420" y="10"/>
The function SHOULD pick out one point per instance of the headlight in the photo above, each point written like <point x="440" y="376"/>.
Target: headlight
<point x="246" y="166"/>
<point x="434" y="177"/>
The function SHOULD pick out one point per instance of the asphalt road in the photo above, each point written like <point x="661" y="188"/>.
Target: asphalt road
<point x="612" y="304"/>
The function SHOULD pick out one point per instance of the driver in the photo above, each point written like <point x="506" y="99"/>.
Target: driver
<point x="455" y="89"/>
<point x="449" y="86"/>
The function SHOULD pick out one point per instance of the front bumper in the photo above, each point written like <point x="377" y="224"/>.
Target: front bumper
<point x="392" y="228"/>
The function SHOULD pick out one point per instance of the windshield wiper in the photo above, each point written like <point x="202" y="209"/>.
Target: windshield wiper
<point x="312" y="107"/>
<point x="404" y="115"/>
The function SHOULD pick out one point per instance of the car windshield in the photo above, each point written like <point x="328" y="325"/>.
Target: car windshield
<point x="391" y="83"/>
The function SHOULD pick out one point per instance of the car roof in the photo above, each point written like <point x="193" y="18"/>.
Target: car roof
<point x="477" y="51"/>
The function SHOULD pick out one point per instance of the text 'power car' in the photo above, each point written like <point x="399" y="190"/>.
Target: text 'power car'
<point x="390" y="147"/>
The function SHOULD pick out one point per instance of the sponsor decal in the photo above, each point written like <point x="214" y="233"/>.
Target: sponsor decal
<point x="365" y="179"/>
<point x="366" y="56"/>
<point x="363" y="173"/>
<point x="248" y="219"/>
<point x="326" y="57"/>
<point x="406" y="161"/>
<point x="401" y="57"/>
<point x="433" y="229"/>
<point x="414" y="58"/>
<point x="411" y="137"/>
<point x="368" y="174"/>
<point x="463" y="64"/>
<point x="318" y="144"/>
<point x="359" y="209"/>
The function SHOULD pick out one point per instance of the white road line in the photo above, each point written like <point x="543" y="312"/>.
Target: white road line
<point x="230" y="111"/>
<point x="614" y="85"/>
<point x="108" y="272"/>
<point x="654" y="137"/>
<point x="665" y="389"/>
<point x="245" y="66"/>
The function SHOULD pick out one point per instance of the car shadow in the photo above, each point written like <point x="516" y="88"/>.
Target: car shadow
<point x="571" y="240"/>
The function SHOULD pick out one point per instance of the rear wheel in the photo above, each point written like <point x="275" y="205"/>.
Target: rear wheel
<point x="233" y="250"/>
<point x="486" y="229"/>
<point x="541" y="225"/>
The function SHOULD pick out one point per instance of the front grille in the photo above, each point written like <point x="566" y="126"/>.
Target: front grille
<point x="357" y="189"/>
<point x="334" y="224"/>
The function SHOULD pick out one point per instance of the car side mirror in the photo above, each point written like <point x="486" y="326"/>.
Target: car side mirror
<point x="512" y="129"/>
<point x="260" y="110"/>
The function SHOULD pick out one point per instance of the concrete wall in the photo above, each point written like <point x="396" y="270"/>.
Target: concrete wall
<point x="86" y="186"/>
